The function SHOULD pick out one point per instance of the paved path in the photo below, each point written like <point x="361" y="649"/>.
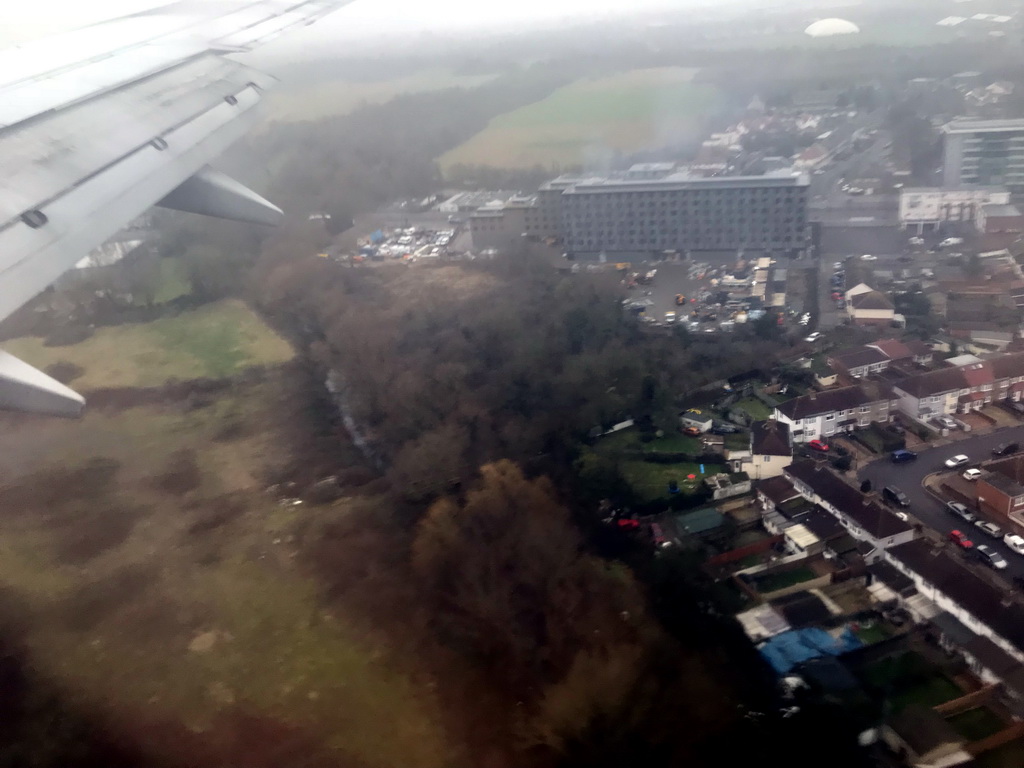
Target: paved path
<point x="924" y="507"/>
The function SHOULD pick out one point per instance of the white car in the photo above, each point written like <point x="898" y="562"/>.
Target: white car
<point x="957" y="461"/>
<point x="813" y="337"/>
<point x="946" y="421"/>
<point x="670" y="317"/>
<point x="1014" y="542"/>
<point x="868" y="257"/>
<point x="837" y="265"/>
<point x="972" y="474"/>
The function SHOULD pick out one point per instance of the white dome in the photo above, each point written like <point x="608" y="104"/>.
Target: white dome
<point x="829" y="27"/>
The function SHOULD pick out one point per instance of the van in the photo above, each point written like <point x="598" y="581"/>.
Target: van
<point x="1005" y="449"/>
<point x="902" y="456"/>
<point x="894" y="495"/>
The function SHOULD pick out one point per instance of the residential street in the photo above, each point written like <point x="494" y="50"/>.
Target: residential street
<point x="928" y="510"/>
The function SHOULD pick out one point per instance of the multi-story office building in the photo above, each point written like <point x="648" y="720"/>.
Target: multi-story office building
<point x="682" y="213"/>
<point x="985" y="152"/>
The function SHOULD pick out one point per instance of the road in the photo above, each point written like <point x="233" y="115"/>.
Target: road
<point x="929" y="511"/>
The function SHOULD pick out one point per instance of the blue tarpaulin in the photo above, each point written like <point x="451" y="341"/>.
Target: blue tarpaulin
<point x="787" y="650"/>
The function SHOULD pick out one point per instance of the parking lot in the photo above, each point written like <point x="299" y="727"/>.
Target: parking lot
<point x="929" y="510"/>
<point x="692" y="280"/>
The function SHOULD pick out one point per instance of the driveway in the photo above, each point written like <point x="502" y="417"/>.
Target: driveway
<point x="925" y="507"/>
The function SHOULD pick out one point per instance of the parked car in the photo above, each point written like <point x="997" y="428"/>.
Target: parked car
<point x="817" y="445"/>
<point x="961" y="540"/>
<point x="1014" y="542"/>
<point x="972" y="474"/>
<point x="813" y="337"/>
<point x="961" y="511"/>
<point x="945" y="421"/>
<point x="902" y="456"/>
<point x="869" y="257"/>
<point x="990" y="557"/>
<point x="670" y="317"/>
<point x="1005" y="449"/>
<point x="1016" y="406"/>
<point x="893" y="494"/>
<point x="991" y="529"/>
<point x="957" y="461"/>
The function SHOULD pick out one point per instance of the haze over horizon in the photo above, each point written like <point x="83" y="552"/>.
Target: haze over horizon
<point x="364" y="19"/>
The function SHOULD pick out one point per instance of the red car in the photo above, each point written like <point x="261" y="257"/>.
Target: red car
<point x="818" y="446"/>
<point x="627" y="524"/>
<point x="961" y="540"/>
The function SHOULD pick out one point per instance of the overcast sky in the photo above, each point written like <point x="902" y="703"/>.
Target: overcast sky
<point x="24" y="20"/>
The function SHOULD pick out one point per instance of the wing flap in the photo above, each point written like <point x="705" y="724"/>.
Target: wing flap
<point x="23" y="388"/>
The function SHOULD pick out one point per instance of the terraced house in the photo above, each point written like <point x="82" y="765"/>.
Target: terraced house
<point x="967" y="385"/>
<point x="823" y="414"/>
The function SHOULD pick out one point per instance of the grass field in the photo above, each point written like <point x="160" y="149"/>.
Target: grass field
<point x="214" y="341"/>
<point x="650" y="481"/>
<point x="757" y="409"/>
<point x="588" y="119"/>
<point x="976" y="724"/>
<point x="339" y="97"/>
<point x="157" y="603"/>
<point x="629" y="440"/>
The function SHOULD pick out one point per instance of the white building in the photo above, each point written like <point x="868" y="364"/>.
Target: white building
<point x="924" y="208"/>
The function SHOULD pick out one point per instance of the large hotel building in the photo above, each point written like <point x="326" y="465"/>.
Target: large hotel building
<point x="652" y="208"/>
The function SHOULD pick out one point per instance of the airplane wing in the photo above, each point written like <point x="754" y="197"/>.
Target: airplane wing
<point x="99" y="124"/>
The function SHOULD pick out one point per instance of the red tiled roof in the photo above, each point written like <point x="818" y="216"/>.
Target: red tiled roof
<point x="892" y="348"/>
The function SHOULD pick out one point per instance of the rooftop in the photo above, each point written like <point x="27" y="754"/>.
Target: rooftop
<point x="997" y="209"/>
<point x="683" y="181"/>
<point x="871" y="300"/>
<point x="971" y="125"/>
<point x="923" y="729"/>
<point x="770" y="438"/>
<point x="777" y="489"/>
<point x="876" y="520"/>
<point x="859" y="356"/>
<point x="977" y="596"/>
<point x="818" y="403"/>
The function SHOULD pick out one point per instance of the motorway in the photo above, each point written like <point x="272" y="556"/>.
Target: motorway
<point x="926" y="509"/>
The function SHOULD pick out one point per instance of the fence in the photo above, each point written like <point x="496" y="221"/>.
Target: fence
<point x="1008" y="734"/>
<point x="741" y="552"/>
<point x="971" y="700"/>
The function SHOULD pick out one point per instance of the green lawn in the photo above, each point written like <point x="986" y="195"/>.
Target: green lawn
<point x="173" y="283"/>
<point x="782" y="580"/>
<point x="629" y="111"/>
<point x="311" y="100"/>
<point x="977" y="724"/>
<point x="757" y="410"/>
<point x="928" y="693"/>
<point x="650" y="481"/>
<point x="629" y="440"/>
<point x="215" y="341"/>
<point x="876" y="633"/>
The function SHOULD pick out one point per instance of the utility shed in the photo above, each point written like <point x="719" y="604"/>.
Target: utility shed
<point x="700" y="521"/>
<point x="924" y="738"/>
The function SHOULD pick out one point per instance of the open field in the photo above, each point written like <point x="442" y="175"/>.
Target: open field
<point x="214" y="341"/>
<point x="588" y="119"/>
<point x="157" y="583"/>
<point x="294" y="103"/>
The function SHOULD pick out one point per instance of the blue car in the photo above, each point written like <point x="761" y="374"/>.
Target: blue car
<point x="902" y="457"/>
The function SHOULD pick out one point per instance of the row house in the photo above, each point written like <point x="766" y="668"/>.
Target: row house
<point x="961" y="388"/>
<point x="823" y="414"/>
<point x="984" y="623"/>
<point x="861" y="362"/>
<point x="863" y="518"/>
